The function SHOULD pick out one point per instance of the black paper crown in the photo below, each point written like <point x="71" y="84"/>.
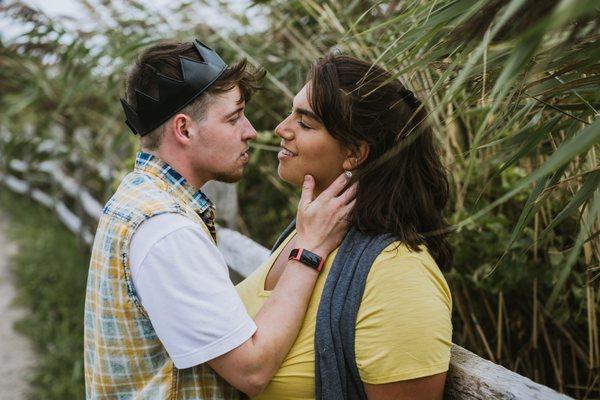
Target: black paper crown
<point x="174" y="94"/>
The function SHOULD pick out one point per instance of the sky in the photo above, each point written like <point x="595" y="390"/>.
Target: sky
<point x="54" y="8"/>
<point x="71" y="8"/>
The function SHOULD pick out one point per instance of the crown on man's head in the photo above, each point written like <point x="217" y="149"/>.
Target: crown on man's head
<point x="173" y="94"/>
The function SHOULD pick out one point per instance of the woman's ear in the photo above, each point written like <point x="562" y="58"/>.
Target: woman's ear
<point x="355" y="156"/>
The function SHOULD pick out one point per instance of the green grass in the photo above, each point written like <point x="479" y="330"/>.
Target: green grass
<point x="50" y="270"/>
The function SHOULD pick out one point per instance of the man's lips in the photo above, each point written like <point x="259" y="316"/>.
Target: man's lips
<point x="245" y="155"/>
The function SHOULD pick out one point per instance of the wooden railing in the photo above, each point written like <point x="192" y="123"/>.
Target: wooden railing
<point x="469" y="377"/>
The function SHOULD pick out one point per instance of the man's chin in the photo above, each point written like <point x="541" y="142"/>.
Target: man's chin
<point x="229" y="178"/>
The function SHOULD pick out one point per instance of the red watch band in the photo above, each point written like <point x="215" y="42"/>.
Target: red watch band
<point x="307" y="258"/>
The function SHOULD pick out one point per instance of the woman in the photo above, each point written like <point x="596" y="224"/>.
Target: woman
<point x="352" y="116"/>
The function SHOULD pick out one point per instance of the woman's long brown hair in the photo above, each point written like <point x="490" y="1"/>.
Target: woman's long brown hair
<point x="403" y="187"/>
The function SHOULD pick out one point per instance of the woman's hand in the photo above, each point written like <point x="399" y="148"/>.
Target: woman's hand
<point x="322" y="223"/>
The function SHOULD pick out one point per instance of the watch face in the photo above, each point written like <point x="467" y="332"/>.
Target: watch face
<point x="307" y="258"/>
<point x="311" y="258"/>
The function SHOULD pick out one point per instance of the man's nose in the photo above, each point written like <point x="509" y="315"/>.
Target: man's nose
<point x="249" y="132"/>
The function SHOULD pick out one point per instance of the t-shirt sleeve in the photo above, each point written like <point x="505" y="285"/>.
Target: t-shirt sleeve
<point x="183" y="284"/>
<point x="403" y="328"/>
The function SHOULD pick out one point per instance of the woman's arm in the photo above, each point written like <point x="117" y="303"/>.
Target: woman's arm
<point x="426" y="388"/>
<point x="404" y="330"/>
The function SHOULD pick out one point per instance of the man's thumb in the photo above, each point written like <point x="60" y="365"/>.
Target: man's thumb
<point x="307" y="190"/>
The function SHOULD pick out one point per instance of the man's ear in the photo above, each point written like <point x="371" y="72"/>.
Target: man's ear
<point x="355" y="156"/>
<point x="180" y="126"/>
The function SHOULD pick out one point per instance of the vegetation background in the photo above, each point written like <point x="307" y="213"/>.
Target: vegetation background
<point x="513" y="90"/>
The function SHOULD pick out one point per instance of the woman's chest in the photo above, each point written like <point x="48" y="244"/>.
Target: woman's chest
<point x="279" y="265"/>
<point x="295" y="379"/>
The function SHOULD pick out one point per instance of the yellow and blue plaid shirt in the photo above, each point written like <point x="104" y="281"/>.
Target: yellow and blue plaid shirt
<point x="124" y="359"/>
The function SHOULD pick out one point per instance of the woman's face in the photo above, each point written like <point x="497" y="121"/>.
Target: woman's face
<point x="307" y="147"/>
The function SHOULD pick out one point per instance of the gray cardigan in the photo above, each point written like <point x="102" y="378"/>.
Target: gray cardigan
<point x="336" y="373"/>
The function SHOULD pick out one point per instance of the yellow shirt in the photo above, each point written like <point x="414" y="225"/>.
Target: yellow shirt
<point x="403" y="327"/>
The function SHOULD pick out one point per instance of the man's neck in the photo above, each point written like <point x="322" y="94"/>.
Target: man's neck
<point x="180" y="165"/>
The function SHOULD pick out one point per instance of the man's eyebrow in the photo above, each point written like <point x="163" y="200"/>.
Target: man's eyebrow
<point x="309" y="114"/>
<point x="231" y="114"/>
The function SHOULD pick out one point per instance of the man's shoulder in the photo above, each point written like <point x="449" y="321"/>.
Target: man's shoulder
<point x="140" y="194"/>
<point x="159" y="226"/>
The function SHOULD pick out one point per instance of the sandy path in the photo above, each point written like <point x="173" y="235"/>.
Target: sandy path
<point x="16" y="353"/>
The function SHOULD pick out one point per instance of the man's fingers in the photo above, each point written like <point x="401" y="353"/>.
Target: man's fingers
<point x="307" y="191"/>
<point x="349" y="193"/>
<point x="336" y="187"/>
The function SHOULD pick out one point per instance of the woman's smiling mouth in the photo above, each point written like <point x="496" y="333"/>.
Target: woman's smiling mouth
<point x="285" y="154"/>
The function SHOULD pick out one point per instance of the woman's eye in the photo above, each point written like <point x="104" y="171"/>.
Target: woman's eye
<point x="303" y="125"/>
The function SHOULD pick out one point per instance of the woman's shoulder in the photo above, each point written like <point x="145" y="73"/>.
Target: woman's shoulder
<point x="400" y="251"/>
<point x="400" y="267"/>
<point x="404" y="327"/>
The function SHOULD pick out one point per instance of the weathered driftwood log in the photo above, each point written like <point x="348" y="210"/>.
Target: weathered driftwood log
<point x="225" y="195"/>
<point x="64" y="214"/>
<point x="242" y="254"/>
<point x="470" y="376"/>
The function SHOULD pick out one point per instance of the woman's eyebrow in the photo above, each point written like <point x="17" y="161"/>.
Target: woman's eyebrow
<point x="309" y="114"/>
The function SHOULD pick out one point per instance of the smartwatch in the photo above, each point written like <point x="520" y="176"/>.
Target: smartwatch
<point x="308" y="258"/>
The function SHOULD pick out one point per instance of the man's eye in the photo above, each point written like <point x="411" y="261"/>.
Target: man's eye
<point x="234" y="119"/>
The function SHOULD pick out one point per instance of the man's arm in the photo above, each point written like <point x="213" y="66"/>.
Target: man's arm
<point x="321" y="225"/>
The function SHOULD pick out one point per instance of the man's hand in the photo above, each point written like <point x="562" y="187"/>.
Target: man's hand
<point x="322" y="223"/>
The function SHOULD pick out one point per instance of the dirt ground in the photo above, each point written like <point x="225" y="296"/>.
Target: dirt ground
<point x="16" y="353"/>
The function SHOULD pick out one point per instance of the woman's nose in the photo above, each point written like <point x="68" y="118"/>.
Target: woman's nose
<point x="282" y="129"/>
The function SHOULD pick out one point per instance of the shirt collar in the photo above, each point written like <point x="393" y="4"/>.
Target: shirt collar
<point x="153" y="165"/>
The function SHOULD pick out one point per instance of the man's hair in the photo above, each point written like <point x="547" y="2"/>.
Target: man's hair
<point x="164" y="58"/>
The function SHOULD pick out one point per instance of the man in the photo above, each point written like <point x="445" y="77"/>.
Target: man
<point x="162" y="318"/>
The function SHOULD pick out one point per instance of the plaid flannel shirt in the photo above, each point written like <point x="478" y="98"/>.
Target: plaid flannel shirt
<point x="124" y="359"/>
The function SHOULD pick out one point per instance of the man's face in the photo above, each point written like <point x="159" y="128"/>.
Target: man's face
<point x="219" y="146"/>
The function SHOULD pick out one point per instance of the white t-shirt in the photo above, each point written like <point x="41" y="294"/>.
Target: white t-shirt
<point x="183" y="283"/>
